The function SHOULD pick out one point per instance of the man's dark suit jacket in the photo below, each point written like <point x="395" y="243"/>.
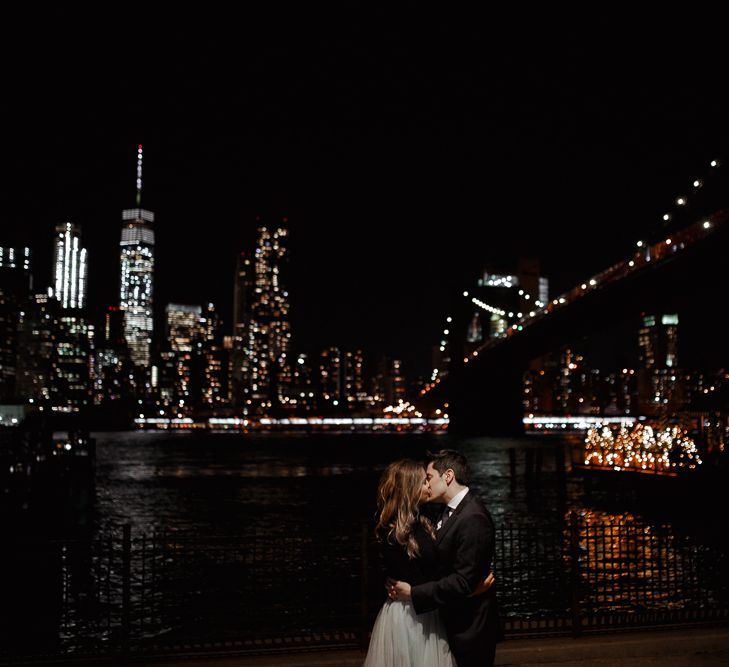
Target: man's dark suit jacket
<point x="465" y="552"/>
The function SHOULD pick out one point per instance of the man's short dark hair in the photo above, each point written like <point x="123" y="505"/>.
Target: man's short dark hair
<point x="450" y="458"/>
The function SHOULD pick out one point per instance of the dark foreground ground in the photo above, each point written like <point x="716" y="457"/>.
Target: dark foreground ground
<point x="667" y="648"/>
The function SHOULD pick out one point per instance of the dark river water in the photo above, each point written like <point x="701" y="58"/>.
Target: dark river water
<point x="222" y="483"/>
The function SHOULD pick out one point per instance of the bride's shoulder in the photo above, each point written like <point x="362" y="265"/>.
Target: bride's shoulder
<point x="425" y="534"/>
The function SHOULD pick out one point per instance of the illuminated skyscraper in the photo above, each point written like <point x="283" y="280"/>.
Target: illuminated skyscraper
<point x="73" y="363"/>
<point x="112" y="362"/>
<point x="270" y="330"/>
<point x="304" y="384"/>
<point x="330" y="375"/>
<point x="658" y="361"/>
<point x="389" y="384"/>
<point x="658" y="342"/>
<point x="240" y="355"/>
<point x="15" y="284"/>
<point x="399" y="386"/>
<point x="37" y="340"/>
<point x="573" y="380"/>
<point x="69" y="267"/>
<point x="353" y="385"/>
<point x="184" y="335"/>
<point x="137" y="272"/>
<point x="56" y="361"/>
<point x="214" y="383"/>
<point x="72" y="370"/>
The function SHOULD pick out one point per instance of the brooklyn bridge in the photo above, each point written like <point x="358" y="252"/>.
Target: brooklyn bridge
<point x="483" y="388"/>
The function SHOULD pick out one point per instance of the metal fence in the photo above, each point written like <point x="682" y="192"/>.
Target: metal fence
<point x="293" y="589"/>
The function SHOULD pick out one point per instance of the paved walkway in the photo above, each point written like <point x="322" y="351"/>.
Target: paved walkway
<point x="668" y="648"/>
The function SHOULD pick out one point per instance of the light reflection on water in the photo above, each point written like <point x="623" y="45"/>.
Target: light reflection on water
<point x="220" y="482"/>
<point x="216" y="482"/>
<point x="629" y="563"/>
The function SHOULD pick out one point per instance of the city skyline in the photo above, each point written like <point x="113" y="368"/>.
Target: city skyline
<point x="137" y="227"/>
<point x="189" y="366"/>
<point x="404" y="162"/>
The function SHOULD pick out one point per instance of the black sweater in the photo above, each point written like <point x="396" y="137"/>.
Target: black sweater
<point x="418" y="570"/>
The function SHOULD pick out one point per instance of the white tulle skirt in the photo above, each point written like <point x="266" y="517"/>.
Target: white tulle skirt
<point x="402" y="638"/>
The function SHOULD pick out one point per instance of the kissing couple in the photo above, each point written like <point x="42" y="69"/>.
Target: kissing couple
<point x="441" y="609"/>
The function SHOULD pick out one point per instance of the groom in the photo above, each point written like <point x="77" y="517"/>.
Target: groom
<point x="465" y="547"/>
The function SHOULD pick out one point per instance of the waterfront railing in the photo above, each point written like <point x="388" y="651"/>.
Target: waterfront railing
<point x="123" y="593"/>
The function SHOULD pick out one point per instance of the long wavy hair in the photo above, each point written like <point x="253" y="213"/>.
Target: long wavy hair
<point x="398" y="500"/>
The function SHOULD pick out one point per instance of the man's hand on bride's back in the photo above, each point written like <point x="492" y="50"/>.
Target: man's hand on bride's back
<point x="484" y="586"/>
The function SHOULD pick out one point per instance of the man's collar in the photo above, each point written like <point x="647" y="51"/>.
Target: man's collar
<point x="456" y="500"/>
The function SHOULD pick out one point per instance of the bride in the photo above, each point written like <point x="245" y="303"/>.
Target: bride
<point x="400" y="637"/>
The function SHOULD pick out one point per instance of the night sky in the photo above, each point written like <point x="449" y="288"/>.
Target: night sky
<point x="406" y="148"/>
